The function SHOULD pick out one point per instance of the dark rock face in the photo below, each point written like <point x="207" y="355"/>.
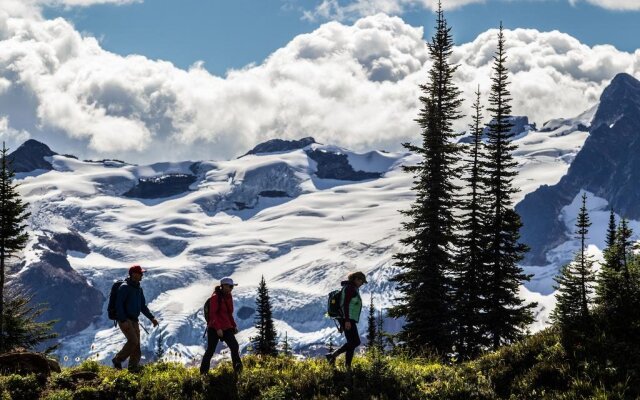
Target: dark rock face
<point x="607" y="166"/>
<point x="30" y="157"/>
<point x="336" y="166"/>
<point x="279" y="145"/>
<point x="163" y="186"/>
<point x="273" y="193"/>
<point x="52" y="281"/>
<point x="520" y="125"/>
<point x="245" y="312"/>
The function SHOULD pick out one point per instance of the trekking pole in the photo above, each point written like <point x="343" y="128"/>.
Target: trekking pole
<point x="145" y="329"/>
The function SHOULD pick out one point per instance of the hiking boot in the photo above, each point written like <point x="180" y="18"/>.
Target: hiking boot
<point x="116" y="364"/>
<point x="331" y="359"/>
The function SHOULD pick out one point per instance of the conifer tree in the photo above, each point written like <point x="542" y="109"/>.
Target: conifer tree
<point x="22" y="326"/>
<point x="472" y="274"/>
<point x="623" y="241"/>
<point x="608" y="288"/>
<point x="380" y="333"/>
<point x="286" y="348"/>
<point x="160" y="351"/>
<point x="371" y="325"/>
<point x="575" y="283"/>
<point x="424" y="283"/>
<point x="507" y="316"/>
<point x="265" y="342"/>
<point x="13" y="235"/>
<point x="611" y="230"/>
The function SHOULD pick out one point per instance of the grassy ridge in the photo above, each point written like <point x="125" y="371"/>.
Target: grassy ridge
<point x="536" y="368"/>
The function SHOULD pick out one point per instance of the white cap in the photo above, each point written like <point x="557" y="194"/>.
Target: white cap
<point x="227" y="281"/>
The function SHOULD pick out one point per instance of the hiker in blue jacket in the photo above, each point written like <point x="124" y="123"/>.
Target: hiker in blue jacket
<point x="130" y="302"/>
<point x="351" y="303"/>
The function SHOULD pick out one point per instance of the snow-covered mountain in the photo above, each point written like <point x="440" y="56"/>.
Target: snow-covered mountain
<point x="607" y="167"/>
<point x="302" y="214"/>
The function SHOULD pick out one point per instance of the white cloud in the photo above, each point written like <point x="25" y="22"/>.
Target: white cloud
<point x="348" y="10"/>
<point x="12" y="137"/>
<point x="352" y="85"/>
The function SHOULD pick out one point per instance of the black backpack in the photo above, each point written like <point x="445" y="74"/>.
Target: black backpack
<point x="111" y="308"/>
<point x="334" y="308"/>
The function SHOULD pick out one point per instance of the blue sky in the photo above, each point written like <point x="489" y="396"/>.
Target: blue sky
<point x="232" y="34"/>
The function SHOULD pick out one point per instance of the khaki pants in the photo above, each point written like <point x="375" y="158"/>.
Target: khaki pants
<point x="131" y="349"/>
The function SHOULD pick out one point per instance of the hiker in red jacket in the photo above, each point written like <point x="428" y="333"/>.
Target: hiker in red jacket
<point x="221" y="326"/>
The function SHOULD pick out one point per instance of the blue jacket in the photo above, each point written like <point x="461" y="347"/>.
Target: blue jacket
<point x="130" y="302"/>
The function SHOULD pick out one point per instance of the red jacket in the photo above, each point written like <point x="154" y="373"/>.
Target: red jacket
<point x="221" y="312"/>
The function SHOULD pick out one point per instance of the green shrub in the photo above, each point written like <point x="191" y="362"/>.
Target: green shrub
<point x="121" y="385"/>
<point x="63" y="394"/>
<point x="20" y="387"/>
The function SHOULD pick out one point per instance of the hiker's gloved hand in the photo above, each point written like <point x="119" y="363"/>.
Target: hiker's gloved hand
<point x="154" y="322"/>
<point x="220" y="334"/>
<point x="347" y="325"/>
<point x="235" y="330"/>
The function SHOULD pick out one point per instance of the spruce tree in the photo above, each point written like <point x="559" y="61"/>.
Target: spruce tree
<point x="507" y="316"/>
<point x="623" y="241"/>
<point x="608" y="288"/>
<point x="160" y="351"/>
<point x="22" y="326"/>
<point x="575" y="283"/>
<point x="13" y="235"/>
<point x="286" y="348"/>
<point x="265" y="342"/>
<point x="472" y="274"/>
<point x="371" y="325"/>
<point x="380" y="333"/>
<point x="424" y="283"/>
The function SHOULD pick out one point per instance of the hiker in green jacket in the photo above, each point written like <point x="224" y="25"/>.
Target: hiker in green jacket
<point x="351" y="308"/>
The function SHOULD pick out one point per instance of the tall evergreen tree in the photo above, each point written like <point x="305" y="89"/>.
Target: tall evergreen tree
<point x="265" y="342"/>
<point x="624" y="247"/>
<point x="472" y="274"/>
<point x="507" y="315"/>
<point x="424" y="283"/>
<point x="380" y="333"/>
<point x="575" y="283"/>
<point x="371" y="325"/>
<point x="608" y="288"/>
<point x="611" y="230"/>
<point x="13" y="235"/>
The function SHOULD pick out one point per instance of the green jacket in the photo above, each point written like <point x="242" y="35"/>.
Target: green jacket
<point x="351" y="301"/>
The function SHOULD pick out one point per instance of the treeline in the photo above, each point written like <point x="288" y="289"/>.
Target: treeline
<point x="598" y="314"/>
<point x="460" y="279"/>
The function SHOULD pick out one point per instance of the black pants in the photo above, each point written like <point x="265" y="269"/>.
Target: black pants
<point x="353" y="341"/>
<point x="229" y="338"/>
